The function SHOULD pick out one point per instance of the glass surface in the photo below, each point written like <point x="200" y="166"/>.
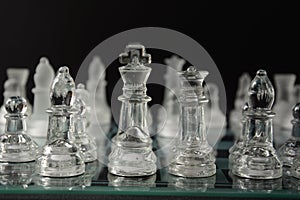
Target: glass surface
<point x="219" y="185"/>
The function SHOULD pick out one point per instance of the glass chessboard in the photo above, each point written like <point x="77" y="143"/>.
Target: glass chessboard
<point x="20" y="181"/>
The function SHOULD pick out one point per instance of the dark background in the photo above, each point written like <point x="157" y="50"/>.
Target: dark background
<point x="239" y="35"/>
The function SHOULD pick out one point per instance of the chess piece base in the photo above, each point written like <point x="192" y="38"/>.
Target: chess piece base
<point x="258" y="162"/>
<point x="194" y="162"/>
<point x="88" y="149"/>
<point x="132" y="154"/>
<point x="60" y="159"/>
<point x="136" y="162"/>
<point x="288" y="151"/>
<point x="17" y="147"/>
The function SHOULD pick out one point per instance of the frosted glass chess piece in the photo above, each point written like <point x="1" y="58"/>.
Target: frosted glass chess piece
<point x="170" y="103"/>
<point x="60" y="157"/>
<point x="238" y="146"/>
<point x="96" y="86"/>
<point x="86" y="145"/>
<point x="15" y="144"/>
<point x="291" y="148"/>
<point x="11" y="88"/>
<point x="284" y="100"/>
<point x="84" y="95"/>
<point x="21" y="76"/>
<point x="259" y="160"/>
<point x="235" y="115"/>
<point x="132" y="153"/>
<point x="194" y="157"/>
<point x="296" y="93"/>
<point x="215" y="119"/>
<point x="43" y="77"/>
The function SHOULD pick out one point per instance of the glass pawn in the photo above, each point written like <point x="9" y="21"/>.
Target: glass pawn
<point x="194" y="157"/>
<point x="132" y="153"/>
<point x="258" y="159"/>
<point x="237" y="148"/>
<point x="60" y="157"/>
<point x="81" y="138"/>
<point x="15" y="144"/>
<point x="290" y="151"/>
<point x="291" y="148"/>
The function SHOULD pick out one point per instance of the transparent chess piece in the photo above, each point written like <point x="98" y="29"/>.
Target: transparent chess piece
<point x="21" y="76"/>
<point x="258" y="159"/>
<point x="60" y="157"/>
<point x="86" y="145"/>
<point x="291" y="148"/>
<point x="11" y="88"/>
<point x="237" y="148"/>
<point x="194" y="157"/>
<point x="15" y="144"/>
<point x="294" y="150"/>
<point x="16" y="173"/>
<point x="132" y="153"/>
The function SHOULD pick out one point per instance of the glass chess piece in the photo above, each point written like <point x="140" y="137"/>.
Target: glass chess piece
<point x="16" y="173"/>
<point x="86" y="145"/>
<point x="11" y="88"/>
<point x="170" y="103"/>
<point x="237" y="148"/>
<point x="215" y="118"/>
<point x="282" y="107"/>
<point x="291" y="148"/>
<point x="235" y="115"/>
<point x="38" y="121"/>
<point x="258" y="159"/>
<point x="96" y="86"/>
<point x="21" y="76"/>
<point x="194" y="157"/>
<point x="131" y="153"/>
<point x="60" y="157"/>
<point x="15" y="144"/>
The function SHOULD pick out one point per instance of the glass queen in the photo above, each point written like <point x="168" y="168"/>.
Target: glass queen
<point x="194" y="157"/>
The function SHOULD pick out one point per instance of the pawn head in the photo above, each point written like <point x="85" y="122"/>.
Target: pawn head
<point x="16" y="105"/>
<point x="296" y="111"/>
